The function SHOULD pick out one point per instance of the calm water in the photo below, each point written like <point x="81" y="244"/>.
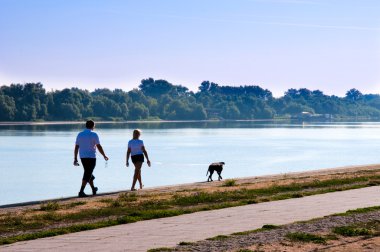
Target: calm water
<point x="36" y="161"/>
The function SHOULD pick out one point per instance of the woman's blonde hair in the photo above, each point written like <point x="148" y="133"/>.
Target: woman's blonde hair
<point x="136" y="133"/>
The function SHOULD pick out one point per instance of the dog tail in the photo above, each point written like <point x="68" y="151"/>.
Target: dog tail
<point x="207" y="173"/>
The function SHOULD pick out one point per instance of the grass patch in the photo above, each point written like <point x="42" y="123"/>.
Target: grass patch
<point x="14" y="223"/>
<point x="246" y="232"/>
<point x="106" y="200"/>
<point x="127" y="197"/>
<point x="115" y="203"/>
<point x="183" y="243"/>
<point x="75" y="204"/>
<point x="163" y="249"/>
<point x="351" y="231"/>
<point x="200" y="197"/>
<point x="50" y="216"/>
<point x="218" y="238"/>
<point x="229" y="182"/>
<point x="265" y="227"/>
<point x="50" y="206"/>
<point x="10" y="220"/>
<point x="270" y="226"/>
<point x="306" y="237"/>
<point x="53" y="232"/>
<point x="360" y="210"/>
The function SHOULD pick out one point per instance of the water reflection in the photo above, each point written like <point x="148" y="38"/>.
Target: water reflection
<point x="189" y="124"/>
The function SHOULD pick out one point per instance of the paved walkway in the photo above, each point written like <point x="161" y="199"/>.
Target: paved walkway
<point x="168" y="232"/>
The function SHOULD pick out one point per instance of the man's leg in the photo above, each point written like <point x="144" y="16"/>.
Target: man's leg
<point x="93" y="187"/>
<point x="91" y="181"/>
<point x="84" y="183"/>
<point x="85" y="171"/>
<point x="88" y="166"/>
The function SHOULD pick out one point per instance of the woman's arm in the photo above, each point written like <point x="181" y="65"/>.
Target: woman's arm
<point x="146" y="155"/>
<point x="128" y="154"/>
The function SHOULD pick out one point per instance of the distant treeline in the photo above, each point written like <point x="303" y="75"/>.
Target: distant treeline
<point x="159" y="99"/>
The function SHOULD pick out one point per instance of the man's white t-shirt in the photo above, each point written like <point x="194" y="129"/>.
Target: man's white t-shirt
<point x="87" y="141"/>
<point x="136" y="146"/>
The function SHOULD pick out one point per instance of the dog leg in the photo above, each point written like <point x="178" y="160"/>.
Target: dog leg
<point x="210" y="177"/>
<point x="219" y="177"/>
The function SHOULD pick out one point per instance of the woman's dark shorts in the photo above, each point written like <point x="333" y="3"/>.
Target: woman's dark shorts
<point x="138" y="158"/>
<point x="88" y="166"/>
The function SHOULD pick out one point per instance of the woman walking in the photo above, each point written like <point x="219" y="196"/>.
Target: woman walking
<point x="137" y="151"/>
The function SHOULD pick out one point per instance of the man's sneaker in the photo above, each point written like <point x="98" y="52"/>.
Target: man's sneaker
<point x="94" y="190"/>
<point x="82" y="195"/>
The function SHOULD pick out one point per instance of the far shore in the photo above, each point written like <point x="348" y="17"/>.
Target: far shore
<point x="31" y="123"/>
<point x="134" y="121"/>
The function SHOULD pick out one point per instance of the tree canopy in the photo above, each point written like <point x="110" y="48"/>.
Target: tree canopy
<point x="160" y="99"/>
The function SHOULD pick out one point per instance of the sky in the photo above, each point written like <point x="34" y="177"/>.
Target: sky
<point x="331" y="45"/>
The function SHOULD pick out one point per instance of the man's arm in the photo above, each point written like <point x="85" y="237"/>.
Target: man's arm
<point x="100" y="148"/>
<point x="128" y="155"/>
<point x="146" y="155"/>
<point x="76" y="150"/>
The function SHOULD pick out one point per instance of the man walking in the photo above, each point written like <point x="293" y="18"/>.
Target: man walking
<point x="86" y="143"/>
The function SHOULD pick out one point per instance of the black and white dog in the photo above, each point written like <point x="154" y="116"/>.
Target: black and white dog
<point x="218" y="167"/>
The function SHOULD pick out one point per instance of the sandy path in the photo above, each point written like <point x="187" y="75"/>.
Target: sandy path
<point x="168" y="232"/>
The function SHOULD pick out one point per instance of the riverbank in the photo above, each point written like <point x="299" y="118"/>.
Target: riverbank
<point x="280" y="119"/>
<point x="135" y="121"/>
<point x="72" y="215"/>
<point x="260" y="181"/>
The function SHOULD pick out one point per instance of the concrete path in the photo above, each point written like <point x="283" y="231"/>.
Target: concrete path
<point x="168" y="232"/>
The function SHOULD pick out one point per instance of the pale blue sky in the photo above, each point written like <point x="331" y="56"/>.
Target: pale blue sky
<point x="332" y="45"/>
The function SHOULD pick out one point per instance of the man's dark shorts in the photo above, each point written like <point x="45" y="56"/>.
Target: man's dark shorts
<point x="88" y="166"/>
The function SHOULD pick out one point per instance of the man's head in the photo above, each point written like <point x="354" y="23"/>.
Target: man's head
<point x="136" y="134"/>
<point x="90" y="124"/>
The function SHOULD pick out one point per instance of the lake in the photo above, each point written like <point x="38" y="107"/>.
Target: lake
<point x="36" y="160"/>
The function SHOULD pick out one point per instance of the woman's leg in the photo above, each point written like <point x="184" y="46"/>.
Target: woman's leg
<point x="136" y="175"/>
<point x="139" y="179"/>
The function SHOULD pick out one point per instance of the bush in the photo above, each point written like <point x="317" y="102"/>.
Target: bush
<point x="352" y="231"/>
<point x="229" y="182"/>
<point x="305" y="237"/>
<point x="50" y="206"/>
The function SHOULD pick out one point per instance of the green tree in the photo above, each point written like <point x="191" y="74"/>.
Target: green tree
<point x="7" y="108"/>
<point x="138" y="111"/>
<point x="354" y="94"/>
<point x="230" y="111"/>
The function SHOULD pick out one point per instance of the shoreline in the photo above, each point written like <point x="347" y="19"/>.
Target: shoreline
<point x="136" y="121"/>
<point x="204" y="184"/>
<point x="301" y="122"/>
